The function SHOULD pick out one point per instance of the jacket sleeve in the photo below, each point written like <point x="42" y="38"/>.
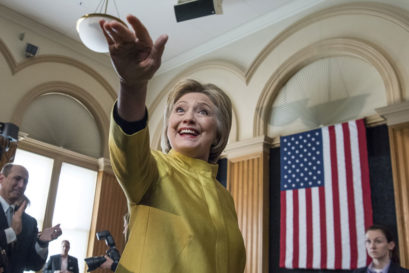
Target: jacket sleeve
<point x="48" y="268"/>
<point x="33" y="261"/>
<point x="3" y="240"/>
<point x="75" y="265"/>
<point x="3" y="226"/>
<point x="132" y="162"/>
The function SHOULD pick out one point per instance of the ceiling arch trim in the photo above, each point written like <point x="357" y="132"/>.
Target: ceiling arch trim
<point x="384" y="11"/>
<point x="7" y="55"/>
<point x="327" y="48"/>
<point x="102" y="121"/>
<point x="17" y="67"/>
<point x="208" y="65"/>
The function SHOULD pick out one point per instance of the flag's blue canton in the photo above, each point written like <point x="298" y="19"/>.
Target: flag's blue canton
<point x="302" y="160"/>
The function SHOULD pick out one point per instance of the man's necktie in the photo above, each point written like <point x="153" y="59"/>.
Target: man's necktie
<point x="9" y="214"/>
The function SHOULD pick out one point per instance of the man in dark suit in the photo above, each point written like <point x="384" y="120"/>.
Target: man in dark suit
<point x="22" y="247"/>
<point x="63" y="262"/>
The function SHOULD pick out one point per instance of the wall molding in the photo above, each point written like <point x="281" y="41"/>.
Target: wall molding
<point x="102" y="121"/>
<point x="396" y="115"/>
<point x="104" y="165"/>
<point x="378" y="10"/>
<point x="350" y="47"/>
<point x="247" y="148"/>
<point x="59" y="153"/>
<point x="17" y="67"/>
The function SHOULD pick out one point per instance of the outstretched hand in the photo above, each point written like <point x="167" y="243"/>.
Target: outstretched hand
<point x="51" y="233"/>
<point x="135" y="57"/>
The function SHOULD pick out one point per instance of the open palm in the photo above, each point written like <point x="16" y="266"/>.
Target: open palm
<point x="135" y="57"/>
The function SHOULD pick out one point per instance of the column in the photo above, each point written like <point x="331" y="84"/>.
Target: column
<point x="247" y="181"/>
<point x="109" y="207"/>
<point x="397" y="119"/>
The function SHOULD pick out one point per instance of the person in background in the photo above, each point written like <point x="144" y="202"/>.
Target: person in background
<point x="182" y="219"/>
<point x="381" y="247"/>
<point x="62" y="263"/>
<point x="25" y="250"/>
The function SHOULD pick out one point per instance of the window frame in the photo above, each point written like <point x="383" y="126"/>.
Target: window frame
<point x="60" y="156"/>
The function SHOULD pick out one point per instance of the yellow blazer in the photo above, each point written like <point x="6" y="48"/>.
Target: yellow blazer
<point x="182" y="219"/>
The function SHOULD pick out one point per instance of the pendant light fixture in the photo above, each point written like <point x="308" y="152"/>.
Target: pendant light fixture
<point x="89" y="30"/>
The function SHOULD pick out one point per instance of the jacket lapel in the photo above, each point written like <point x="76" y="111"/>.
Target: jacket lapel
<point x="3" y="219"/>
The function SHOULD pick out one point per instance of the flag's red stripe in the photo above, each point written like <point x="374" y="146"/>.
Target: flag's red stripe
<point x="366" y="189"/>
<point x="283" y="228"/>
<point x="365" y="173"/>
<point x="350" y="196"/>
<point x="335" y="198"/>
<point x="309" y="232"/>
<point x="296" y="226"/>
<point x="323" y="227"/>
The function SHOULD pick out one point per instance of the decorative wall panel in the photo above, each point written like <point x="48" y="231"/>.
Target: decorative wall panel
<point x="248" y="186"/>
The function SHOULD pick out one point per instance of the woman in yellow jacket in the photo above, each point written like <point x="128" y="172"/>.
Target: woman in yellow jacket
<point x="182" y="219"/>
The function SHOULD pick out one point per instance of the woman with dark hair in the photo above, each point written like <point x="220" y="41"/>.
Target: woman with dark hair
<point x="381" y="247"/>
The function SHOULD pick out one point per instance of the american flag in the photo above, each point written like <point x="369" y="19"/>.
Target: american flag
<point x="325" y="198"/>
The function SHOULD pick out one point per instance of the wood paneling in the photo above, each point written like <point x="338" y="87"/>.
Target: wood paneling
<point x="399" y="143"/>
<point x="109" y="208"/>
<point x="248" y="184"/>
<point x="397" y="119"/>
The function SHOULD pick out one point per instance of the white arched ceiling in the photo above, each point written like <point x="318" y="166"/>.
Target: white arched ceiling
<point x="327" y="91"/>
<point x="63" y="121"/>
<point x="350" y="57"/>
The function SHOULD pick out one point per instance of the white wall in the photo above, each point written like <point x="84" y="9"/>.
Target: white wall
<point x="246" y="69"/>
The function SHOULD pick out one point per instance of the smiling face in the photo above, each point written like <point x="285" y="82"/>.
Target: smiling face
<point x="192" y="125"/>
<point x="14" y="184"/>
<point x="378" y="246"/>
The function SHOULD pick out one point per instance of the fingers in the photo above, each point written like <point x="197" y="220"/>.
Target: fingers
<point x="107" y="37"/>
<point x="22" y="208"/>
<point x="158" y="49"/>
<point x="56" y="231"/>
<point x="51" y="233"/>
<point x="16" y="222"/>
<point x="140" y="30"/>
<point x="116" y="32"/>
<point x="159" y="46"/>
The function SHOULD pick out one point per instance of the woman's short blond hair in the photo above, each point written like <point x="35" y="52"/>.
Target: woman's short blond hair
<point x="223" y="113"/>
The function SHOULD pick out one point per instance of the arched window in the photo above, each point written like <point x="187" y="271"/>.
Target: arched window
<point x="63" y="121"/>
<point x="60" y="148"/>
<point x="327" y="91"/>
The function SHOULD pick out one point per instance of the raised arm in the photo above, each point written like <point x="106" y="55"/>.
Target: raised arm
<point x="136" y="59"/>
